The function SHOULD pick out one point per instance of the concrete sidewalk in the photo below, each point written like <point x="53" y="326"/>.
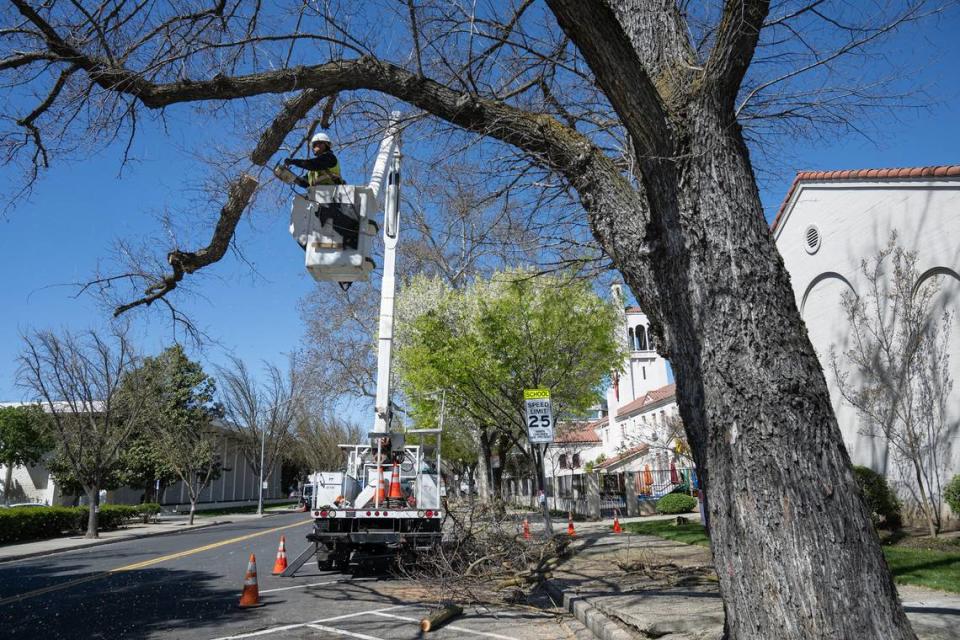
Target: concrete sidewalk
<point x="631" y="586"/>
<point x="167" y="524"/>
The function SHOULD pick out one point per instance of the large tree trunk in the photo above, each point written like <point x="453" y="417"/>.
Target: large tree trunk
<point x="793" y="545"/>
<point x="788" y="526"/>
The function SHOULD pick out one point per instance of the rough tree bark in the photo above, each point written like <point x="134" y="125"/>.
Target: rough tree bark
<point x="788" y="526"/>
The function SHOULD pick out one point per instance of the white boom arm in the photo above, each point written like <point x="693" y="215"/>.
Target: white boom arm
<point x="389" y="147"/>
<point x="388" y="162"/>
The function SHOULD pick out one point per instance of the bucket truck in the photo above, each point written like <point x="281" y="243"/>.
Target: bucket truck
<point x="389" y="503"/>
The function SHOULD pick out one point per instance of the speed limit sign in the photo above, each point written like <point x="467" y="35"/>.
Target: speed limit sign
<point x="539" y="415"/>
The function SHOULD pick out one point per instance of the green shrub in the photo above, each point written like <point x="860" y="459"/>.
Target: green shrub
<point x="21" y="524"/>
<point x="148" y="511"/>
<point x="34" y="523"/>
<point x="676" y="503"/>
<point x="114" y="515"/>
<point x="880" y="499"/>
<point x="952" y="494"/>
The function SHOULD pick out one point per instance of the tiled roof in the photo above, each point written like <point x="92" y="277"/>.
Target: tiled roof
<point x="944" y="171"/>
<point x="650" y="397"/>
<point x="572" y="432"/>
<point x="629" y="453"/>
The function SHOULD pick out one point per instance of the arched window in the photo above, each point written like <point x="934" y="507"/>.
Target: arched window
<point x="632" y="338"/>
<point x="641" y="338"/>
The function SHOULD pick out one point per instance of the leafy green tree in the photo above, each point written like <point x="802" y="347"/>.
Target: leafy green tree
<point x="144" y="465"/>
<point x="488" y="342"/>
<point x="177" y="420"/>
<point x="23" y="440"/>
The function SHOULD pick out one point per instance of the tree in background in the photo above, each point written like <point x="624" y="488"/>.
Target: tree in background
<point x="143" y="465"/>
<point x="23" y="440"/>
<point x="78" y="378"/>
<point x="318" y="437"/>
<point x="177" y="418"/>
<point x="140" y="465"/>
<point x="262" y="416"/>
<point x="897" y="374"/>
<point x="486" y="343"/>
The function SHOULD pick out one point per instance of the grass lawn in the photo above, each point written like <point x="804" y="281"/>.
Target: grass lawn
<point x="692" y="533"/>
<point x="923" y="567"/>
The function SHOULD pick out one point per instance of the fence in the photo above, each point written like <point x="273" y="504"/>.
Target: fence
<point x="653" y="484"/>
<point x="573" y="492"/>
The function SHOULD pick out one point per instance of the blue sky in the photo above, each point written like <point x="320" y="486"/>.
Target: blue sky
<point x="81" y="208"/>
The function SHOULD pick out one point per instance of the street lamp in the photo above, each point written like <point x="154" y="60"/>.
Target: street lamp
<point x="263" y="450"/>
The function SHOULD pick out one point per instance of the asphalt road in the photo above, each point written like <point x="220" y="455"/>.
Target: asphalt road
<point x="187" y="585"/>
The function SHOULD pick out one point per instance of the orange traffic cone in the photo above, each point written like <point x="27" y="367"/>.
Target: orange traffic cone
<point x="616" y="523"/>
<point x="526" y="529"/>
<point x="251" y="593"/>
<point x="281" y="564"/>
<point x="395" y="492"/>
<point x="570" y="530"/>
<point x="381" y="493"/>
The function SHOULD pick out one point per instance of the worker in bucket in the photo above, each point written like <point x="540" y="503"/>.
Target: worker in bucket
<point x="323" y="168"/>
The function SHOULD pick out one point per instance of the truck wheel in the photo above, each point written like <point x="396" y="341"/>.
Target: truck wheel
<point x="326" y="564"/>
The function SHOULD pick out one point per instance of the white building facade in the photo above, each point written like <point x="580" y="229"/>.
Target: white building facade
<point x="829" y="223"/>
<point x="236" y="484"/>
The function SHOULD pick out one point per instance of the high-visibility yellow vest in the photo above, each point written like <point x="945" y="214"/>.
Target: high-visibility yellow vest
<point x="324" y="176"/>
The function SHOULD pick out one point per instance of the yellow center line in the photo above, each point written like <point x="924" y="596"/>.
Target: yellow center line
<point x="145" y="563"/>
<point x="190" y="552"/>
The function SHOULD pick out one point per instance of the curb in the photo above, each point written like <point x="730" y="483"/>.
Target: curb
<point x="101" y="542"/>
<point x="599" y="624"/>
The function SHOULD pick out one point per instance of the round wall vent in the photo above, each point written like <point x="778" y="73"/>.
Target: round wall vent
<point x="811" y="239"/>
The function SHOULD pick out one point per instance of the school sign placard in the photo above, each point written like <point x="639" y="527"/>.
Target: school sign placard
<point x="539" y="415"/>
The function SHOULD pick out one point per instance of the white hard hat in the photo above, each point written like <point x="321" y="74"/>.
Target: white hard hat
<point x="320" y="137"/>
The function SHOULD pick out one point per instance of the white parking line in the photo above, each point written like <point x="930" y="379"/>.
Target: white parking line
<point x="362" y="613"/>
<point x="343" y="632"/>
<point x="486" y="634"/>
<point x="299" y="586"/>
<point x="287" y="627"/>
<point x="263" y="632"/>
